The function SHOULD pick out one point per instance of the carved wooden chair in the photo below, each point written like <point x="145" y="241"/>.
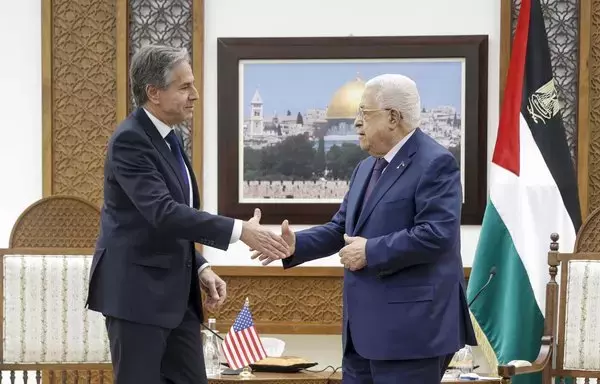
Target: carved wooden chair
<point x="48" y="333"/>
<point x="570" y="350"/>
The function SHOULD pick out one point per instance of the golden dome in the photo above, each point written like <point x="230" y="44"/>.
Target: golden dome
<point x="344" y="103"/>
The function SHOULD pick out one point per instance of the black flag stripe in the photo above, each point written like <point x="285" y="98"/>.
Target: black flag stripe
<point x="539" y="108"/>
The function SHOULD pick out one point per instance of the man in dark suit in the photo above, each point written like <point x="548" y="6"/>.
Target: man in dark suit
<point x="146" y="276"/>
<point x="397" y="232"/>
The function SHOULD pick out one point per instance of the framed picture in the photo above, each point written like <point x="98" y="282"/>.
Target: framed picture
<point x="286" y="110"/>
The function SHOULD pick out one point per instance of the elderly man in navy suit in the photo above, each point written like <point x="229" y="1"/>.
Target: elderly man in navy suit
<point x="146" y="275"/>
<point x="397" y="232"/>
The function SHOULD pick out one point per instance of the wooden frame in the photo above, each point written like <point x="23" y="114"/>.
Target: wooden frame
<point x="231" y="50"/>
<point x="583" y="111"/>
<point x="505" y="44"/>
<point x="46" y="97"/>
<point x="302" y="271"/>
<point x="121" y="44"/>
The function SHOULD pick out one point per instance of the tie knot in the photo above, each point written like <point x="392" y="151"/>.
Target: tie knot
<point x="380" y="163"/>
<point x="171" y="138"/>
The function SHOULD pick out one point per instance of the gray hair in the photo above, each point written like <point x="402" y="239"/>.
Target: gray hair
<point x="398" y="92"/>
<point x="153" y="65"/>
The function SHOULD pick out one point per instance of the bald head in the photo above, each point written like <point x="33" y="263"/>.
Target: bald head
<point x="390" y="108"/>
<point x="400" y="93"/>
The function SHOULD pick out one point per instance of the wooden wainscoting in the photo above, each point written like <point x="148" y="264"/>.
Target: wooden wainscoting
<point x="305" y="300"/>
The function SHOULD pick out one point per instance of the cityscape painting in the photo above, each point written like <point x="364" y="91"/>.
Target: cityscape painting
<point x="299" y="140"/>
<point x="287" y="142"/>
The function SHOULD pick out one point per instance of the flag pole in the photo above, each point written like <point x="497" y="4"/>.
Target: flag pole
<point x="246" y="373"/>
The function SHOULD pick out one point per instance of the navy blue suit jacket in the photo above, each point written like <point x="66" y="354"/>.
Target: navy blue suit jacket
<point x="409" y="301"/>
<point x="144" y="267"/>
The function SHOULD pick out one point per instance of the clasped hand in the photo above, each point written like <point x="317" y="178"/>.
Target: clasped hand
<point x="258" y="238"/>
<point x="288" y="237"/>
<point x="262" y="240"/>
<point x="354" y="256"/>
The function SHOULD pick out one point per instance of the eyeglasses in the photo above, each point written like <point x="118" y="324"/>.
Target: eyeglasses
<point x="360" y="114"/>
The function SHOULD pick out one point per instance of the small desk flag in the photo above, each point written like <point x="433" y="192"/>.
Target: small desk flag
<point x="241" y="345"/>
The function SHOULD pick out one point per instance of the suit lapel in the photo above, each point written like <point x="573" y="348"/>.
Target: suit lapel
<point x="161" y="145"/>
<point x="355" y="194"/>
<point x="392" y="172"/>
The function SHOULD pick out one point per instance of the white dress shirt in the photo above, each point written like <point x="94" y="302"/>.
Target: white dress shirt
<point x="164" y="130"/>
<point x="390" y="155"/>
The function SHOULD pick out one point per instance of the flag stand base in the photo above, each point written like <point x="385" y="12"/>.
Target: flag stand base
<point x="246" y="374"/>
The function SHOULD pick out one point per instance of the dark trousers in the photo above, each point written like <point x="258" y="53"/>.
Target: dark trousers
<point x="153" y="355"/>
<point x="358" y="370"/>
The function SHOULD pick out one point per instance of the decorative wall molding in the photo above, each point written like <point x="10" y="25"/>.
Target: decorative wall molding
<point x="79" y="94"/>
<point x="593" y="136"/>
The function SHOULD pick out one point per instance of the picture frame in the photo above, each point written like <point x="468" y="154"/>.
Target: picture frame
<point x="279" y="180"/>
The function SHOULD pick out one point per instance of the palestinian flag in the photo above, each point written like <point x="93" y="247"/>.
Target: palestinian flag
<point x="533" y="193"/>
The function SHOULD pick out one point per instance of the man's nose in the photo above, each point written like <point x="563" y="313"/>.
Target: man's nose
<point x="194" y="95"/>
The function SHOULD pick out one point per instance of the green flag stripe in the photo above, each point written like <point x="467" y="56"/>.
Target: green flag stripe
<point x="507" y="310"/>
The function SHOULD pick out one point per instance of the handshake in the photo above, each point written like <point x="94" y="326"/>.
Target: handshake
<point x="266" y="245"/>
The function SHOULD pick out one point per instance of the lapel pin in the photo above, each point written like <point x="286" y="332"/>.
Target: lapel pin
<point x="401" y="165"/>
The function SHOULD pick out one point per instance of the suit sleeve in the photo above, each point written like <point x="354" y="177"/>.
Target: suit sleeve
<point x="438" y="201"/>
<point x="129" y="157"/>
<point x="200" y="260"/>
<point x="322" y="240"/>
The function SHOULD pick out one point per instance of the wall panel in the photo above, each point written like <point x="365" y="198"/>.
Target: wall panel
<point x="79" y="94"/>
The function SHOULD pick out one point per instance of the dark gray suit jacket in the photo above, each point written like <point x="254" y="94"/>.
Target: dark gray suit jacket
<point x="144" y="266"/>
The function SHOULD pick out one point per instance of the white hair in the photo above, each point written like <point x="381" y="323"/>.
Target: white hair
<point x="398" y="92"/>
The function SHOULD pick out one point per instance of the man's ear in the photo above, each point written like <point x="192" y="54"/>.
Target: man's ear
<point x="153" y="94"/>
<point x="394" y="117"/>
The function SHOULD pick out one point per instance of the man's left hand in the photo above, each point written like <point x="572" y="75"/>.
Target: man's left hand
<point x="353" y="256"/>
<point x="214" y="287"/>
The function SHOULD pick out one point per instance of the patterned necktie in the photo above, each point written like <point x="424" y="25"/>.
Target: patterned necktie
<point x="379" y="166"/>
<point x="176" y="150"/>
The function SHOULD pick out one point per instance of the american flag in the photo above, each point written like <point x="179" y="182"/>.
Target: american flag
<point x="241" y="345"/>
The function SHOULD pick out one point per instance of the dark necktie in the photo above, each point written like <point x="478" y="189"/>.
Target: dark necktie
<point x="379" y="166"/>
<point x="176" y="150"/>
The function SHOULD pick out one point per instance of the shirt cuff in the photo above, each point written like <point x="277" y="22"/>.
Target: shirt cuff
<point x="237" y="231"/>
<point x="203" y="267"/>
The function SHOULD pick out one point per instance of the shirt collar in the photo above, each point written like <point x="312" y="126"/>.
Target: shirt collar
<point x="390" y="155"/>
<point x="162" y="128"/>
